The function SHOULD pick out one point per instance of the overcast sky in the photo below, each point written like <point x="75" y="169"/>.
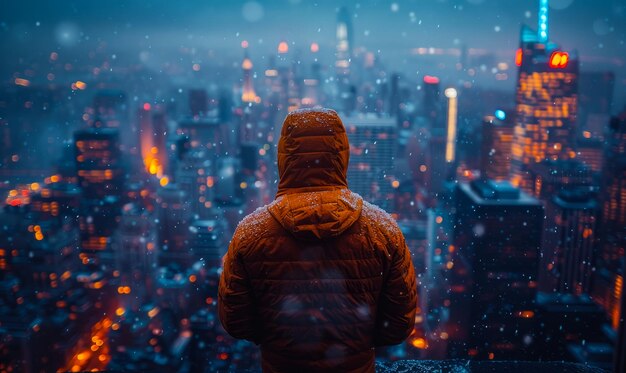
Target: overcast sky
<point x="595" y="28"/>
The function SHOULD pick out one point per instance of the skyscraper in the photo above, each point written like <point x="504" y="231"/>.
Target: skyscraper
<point x="451" y="124"/>
<point x="343" y="62"/>
<point x="101" y="178"/>
<point x="568" y="239"/>
<point x="431" y="104"/>
<point x="595" y="103"/>
<point x="495" y="155"/>
<point x="248" y="95"/>
<point x="493" y="278"/>
<point x="609" y="279"/>
<point x="372" y="148"/>
<point x="344" y="43"/>
<point x="546" y="101"/>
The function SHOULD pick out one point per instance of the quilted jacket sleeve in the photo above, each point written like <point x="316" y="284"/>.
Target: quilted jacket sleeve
<point x="398" y="300"/>
<point x="235" y="301"/>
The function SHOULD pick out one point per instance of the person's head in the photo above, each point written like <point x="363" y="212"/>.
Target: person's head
<point x="313" y="152"/>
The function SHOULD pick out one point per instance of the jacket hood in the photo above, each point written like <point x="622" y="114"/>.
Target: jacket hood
<point x="317" y="215"/>
<point x="313" y="200"/>
<point x="313" y="152"/>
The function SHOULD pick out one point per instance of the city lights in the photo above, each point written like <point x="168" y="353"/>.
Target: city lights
<point x="144" y="162"/>
<point x="559" y="60"/>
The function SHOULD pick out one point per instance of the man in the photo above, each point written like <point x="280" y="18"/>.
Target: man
<point x="318" y="277"/>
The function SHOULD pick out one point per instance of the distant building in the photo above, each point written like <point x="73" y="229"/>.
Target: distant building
<point x="568" y="240"/>
<point x="207" y="133"/>
<point x="569" y="323"/>
<point x="111" y="110"/>
<point x="173" y="229"/>
<point x="206" y="242"/>
<point x="101" y="178"/>
<point x="153" y="139"/>
<point x="343" y="62"/>
<point x="595" y="101"/>
<point x="248" y="95"/>
<point x="432" y="105"/>
<point x="496" y="147"/>
<point x="493" y="277"/>
<point x="99" y="162"/>
<point x="546" y="103"/>
<point x="198" y="103"/>
<point x="552" y="176"/>
<point x="195" y="175"/>
<point x="136" y="253"/>
<point x="590" y="151"/>
<point x="345" y="44"/>
<point x="609" y="279"/>
<point x="372" y="149"/>
<point x="620" y="346"/>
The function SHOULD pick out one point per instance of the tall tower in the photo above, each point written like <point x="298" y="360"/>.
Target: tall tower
<point x="344" y="43"/>
<point x="346" y="90"/>
<point x="451" y="94"/>
<point x="248" y="95"/>
<point x="546" y="101"/>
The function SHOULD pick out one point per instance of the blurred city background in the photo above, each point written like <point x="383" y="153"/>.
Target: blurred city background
<point x="134" y="136"/>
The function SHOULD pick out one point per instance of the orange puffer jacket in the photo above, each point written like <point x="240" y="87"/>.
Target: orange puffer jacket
<point x="319" y="277"/>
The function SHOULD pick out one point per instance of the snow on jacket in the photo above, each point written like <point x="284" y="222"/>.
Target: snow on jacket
<point x="318" y="277"/>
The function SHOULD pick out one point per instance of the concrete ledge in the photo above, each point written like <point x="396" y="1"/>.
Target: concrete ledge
<point x="471" y="366"/>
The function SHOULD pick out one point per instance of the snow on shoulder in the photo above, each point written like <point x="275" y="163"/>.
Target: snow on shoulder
<point x="253" y="225"/>
<point x="380" y="219"/>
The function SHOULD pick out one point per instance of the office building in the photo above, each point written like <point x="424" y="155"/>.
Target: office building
<point x="493" y="272"/>
<point x="546" y="101"/>
<point x="497" y="142"/>
<point x="372" y="149"/>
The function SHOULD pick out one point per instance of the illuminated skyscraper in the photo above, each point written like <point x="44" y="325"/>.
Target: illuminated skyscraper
<point x="101" y="178"/>
<point x="546" y="101"/>
<point x="344" y="55"/>
<point x="98" y="162"/>
<point x="451" y="124"/>
<point x="344" y="43"/>
<point x="153" y="134"/>
<point x="248" y="95"/>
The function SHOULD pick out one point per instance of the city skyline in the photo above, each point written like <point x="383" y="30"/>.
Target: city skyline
<point x="136" y="137"/>
<point x="213" y="32"/>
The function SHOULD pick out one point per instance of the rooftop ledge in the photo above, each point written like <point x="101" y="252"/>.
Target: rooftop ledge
<point x="475" y="366"/>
